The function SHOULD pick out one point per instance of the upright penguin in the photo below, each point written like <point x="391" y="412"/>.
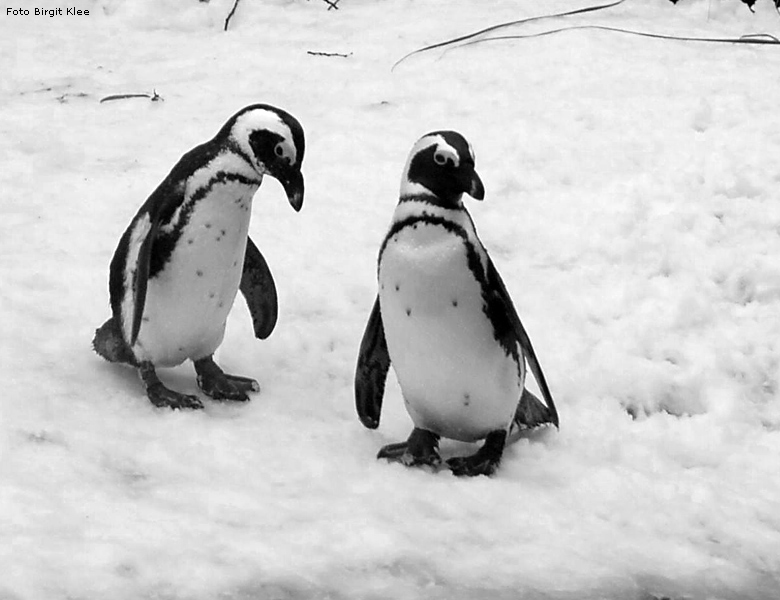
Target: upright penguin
<point x="444" y="318"/>
<point x="186" y="253"/>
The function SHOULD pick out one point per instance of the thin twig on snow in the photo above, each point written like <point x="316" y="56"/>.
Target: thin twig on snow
<point x="230" y="14"/>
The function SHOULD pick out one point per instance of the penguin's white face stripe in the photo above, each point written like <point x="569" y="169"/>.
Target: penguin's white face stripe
<point x="259" y="119"/>
<point x="410" y="188"/>
<point x="443" y="149"/>
<point x="442" y="154"/>
<point x="285" y="150"/>
<point x="139" y="233"/>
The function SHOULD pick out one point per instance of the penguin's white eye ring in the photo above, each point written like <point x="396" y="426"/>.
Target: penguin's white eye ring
<point x="279" y="150"/>
<point x="439" y="159"/>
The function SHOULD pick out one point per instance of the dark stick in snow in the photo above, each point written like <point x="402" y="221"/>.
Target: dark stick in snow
<point x="154" y="97"/>
<point x="328" y="54"/>
<point x="230" y="14"/>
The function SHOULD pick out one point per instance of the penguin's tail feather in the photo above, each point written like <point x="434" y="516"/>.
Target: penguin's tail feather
<point x="109" y="343"/>
<point x="530" y="414"/>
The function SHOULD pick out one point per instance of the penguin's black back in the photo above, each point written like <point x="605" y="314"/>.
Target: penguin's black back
<point x="160" y="207"/>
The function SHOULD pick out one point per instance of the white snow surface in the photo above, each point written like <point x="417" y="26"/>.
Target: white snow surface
<point x="631" y="206"/>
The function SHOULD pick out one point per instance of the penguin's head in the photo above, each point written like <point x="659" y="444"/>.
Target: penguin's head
<point x="442" y="163"/>
<point x="272" y="140"/>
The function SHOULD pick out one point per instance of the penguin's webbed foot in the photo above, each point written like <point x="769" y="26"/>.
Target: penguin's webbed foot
<point x="161" y="396"/>
<point x="217" y="384"/>
<point x="421" y="449"/>
<point x="164" y="397"/>
<point x="484" y="461"/>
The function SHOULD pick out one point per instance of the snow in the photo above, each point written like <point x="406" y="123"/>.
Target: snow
<point x="631" y="207"/>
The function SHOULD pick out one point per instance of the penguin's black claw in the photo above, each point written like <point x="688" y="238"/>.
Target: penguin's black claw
<point x="484" y="461"/>
<point x="421" y="449"/>
<point x="162" y="397"/>
<point x="218" y="385"/>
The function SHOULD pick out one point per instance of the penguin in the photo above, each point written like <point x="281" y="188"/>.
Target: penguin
<point x="186" y="253"/>
<point x="444" y="319"/>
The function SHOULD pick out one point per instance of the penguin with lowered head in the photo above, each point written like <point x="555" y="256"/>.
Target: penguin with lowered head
<point x="186" y="254"/>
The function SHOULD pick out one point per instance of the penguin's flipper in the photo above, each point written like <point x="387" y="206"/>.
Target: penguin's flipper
<point x="130" y="274"/>
<point x="371" y="373"/>
<point x="131" y="265"/>
<point x="501" y="297"/>
<point x="259" y="291"/>
<point x="141" y="280"/>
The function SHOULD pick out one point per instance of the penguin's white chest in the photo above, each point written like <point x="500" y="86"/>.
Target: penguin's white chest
<point x="188" y="302"/>
<point x="456" y="379"/>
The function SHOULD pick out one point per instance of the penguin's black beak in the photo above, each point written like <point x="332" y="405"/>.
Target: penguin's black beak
<point x="471" y="182"/>
<point x="292" y="182"/>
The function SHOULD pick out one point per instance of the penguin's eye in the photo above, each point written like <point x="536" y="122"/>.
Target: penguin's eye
<point x="279" y="150"/>
<point x="440" y="159"/>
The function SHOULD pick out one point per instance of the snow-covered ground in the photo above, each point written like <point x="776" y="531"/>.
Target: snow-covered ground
<point x="632" y="206"/>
